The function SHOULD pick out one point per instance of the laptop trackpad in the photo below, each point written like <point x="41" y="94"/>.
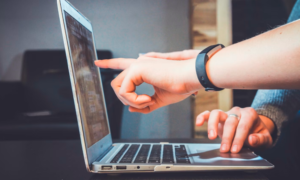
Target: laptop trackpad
<point x="209" y="154"/>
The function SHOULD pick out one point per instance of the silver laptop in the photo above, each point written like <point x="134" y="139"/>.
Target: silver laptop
<point x="101" y="155"/>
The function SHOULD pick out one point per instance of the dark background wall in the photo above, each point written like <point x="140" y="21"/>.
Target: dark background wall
<point x="253" y="17"/>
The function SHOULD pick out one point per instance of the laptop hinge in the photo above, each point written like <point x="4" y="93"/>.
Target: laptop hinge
<point x="104" y="153"/>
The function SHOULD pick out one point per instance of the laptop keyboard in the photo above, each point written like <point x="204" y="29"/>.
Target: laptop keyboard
<point x="128" y="157"/>
<point x="143" y="154"/>
<point x="168" y="154"/>
<point x="155" y="154"/>
<point x="119" y="154"/>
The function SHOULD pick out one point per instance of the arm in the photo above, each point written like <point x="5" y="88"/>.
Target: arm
<point x="268" y="61"/>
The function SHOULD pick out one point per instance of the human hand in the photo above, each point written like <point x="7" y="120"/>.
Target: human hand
<point x="173" y="81"/>
<point x="251" y="129"/>
<point x="178" y="55"/>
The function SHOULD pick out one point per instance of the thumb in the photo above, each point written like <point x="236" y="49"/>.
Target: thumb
<point x="153" y="106"/>
<point x="260" y="140"/>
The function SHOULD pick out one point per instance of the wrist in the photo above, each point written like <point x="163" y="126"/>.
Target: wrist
<point x="201" y="67"/>
<point x="192" y="81"/>
<point x="208" y="67"/>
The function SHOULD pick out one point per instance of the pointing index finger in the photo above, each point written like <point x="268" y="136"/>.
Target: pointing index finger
<point x="117" y="63"/>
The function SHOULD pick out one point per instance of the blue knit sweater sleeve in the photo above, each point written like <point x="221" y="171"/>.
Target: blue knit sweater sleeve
<point x="278" y="105"/>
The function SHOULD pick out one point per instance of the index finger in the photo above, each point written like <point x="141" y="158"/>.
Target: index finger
<point x="245" y="124"/>
<point x="117" y="63"/>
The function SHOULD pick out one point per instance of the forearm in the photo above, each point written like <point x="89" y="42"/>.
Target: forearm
<point x="268" y="61"/>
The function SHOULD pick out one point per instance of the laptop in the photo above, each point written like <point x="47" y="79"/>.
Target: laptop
<point x="101" y="155"/>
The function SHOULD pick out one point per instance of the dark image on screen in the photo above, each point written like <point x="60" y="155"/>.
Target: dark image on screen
<point x="88" y="87"/>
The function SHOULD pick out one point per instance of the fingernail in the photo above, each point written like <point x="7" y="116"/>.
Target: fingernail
<point x="212" y="133"/>
<point x="224" y="147"/>
<point x="254" y="140"/>
<point x="235" y="148"/>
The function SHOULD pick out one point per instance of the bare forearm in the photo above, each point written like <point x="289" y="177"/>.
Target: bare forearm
<point x="268" y="61"/>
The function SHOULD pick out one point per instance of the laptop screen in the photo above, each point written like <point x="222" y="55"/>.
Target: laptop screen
<point x="88" y="85"/>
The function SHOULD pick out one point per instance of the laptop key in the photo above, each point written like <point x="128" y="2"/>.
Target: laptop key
<point x="128" y="157"/>
<point x="168" y="154"/>
<point x="155" y="154"/>
<point x="181" y="155"/>
<point x="143" y="154"/>
<point x="119" y="154"/>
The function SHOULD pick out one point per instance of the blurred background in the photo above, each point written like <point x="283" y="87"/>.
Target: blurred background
<point x="35" y="94"/>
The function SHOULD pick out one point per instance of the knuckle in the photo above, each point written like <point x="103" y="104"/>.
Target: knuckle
<point x="122" y="93"/>
<point x="243" y="127"/>
<point x="266" y="139"/>
<point x="136" y="64"/>
<point x="200" y="115"/>
<point x="251" y="111"/>
<point x="236" y="108"/>
<point x="230" y="123"/>
<point x="215" y="111"/>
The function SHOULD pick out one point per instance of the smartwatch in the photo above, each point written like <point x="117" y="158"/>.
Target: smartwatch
<point x="201" y="61"/>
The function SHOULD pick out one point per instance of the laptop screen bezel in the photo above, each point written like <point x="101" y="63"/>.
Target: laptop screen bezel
<point x="94" y="151"/>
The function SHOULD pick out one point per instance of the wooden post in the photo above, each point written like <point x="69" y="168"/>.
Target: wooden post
<point x="211" y="24"/>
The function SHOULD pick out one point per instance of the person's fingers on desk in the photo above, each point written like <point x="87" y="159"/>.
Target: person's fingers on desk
<point x="260" y="140"/>
<point x="216" y="117"/>
<point x="201" y="118"/>
<point x="117" y="63"/>
<point x="229" y="129"/>
<point x="248" y="120"/>
<point x="178" y="55"/>
<point x="260" y="137"/>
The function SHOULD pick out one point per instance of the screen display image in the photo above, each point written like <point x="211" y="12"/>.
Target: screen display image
<point x="88" y="85"/>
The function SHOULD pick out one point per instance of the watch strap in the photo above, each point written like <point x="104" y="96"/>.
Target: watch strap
<point x="201" y="61"/>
